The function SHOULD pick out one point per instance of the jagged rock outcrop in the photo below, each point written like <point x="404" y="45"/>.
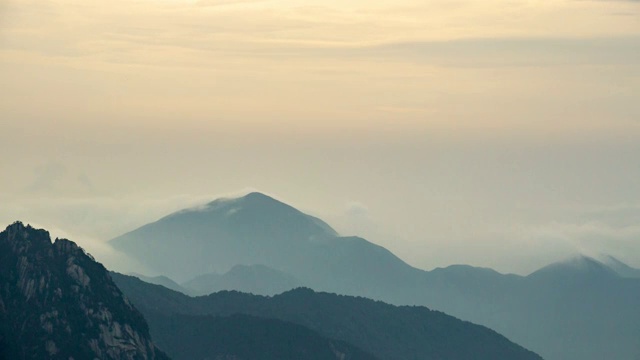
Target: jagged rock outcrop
<point x="57" y="302"/>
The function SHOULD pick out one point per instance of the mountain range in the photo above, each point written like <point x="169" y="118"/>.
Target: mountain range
<point x="254" y="279"/>
<point x="386" y="331"/>
<point x="57" y="302"/>
<point x="578" y="309"/>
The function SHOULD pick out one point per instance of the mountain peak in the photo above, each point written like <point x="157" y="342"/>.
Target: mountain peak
<point x="580" y="261"/>
<point x="577" y="266"/>
<point x="23" y="238"/>
<point x="252" y="199"/>
<point x="258" y="196"/>
<point x="19" y="229"/>
<point x="16" y="226"/>
<point x="252" y="229"/>
<point x="620" y="267"/>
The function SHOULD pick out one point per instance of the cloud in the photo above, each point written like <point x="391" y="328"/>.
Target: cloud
<point x="91" y="221"/>
<point x="516" y="51"/>
<point x="94" y="217"/>
<point x="356" y="210"/>
<point x="46" y="177"/>
<point x="216" y="3"/>
<point x="620" y="216"/>
<point x="101" y="251"/>
<point x="192" y="34"/>
<point x="161" y="97"/>
<point x="55" y="177"/>
<point x="605" y="231"/>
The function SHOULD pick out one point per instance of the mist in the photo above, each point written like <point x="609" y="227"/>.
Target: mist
<point x="486" y="133"/>
<point x="514" y="205"/>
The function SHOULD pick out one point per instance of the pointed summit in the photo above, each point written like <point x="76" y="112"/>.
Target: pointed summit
<point x="253" y="198"/>
<point x="258" y="196"/>
<point x="26" y="238"/>
<point x="254" y="209"/>
<point x="252" y="229"/>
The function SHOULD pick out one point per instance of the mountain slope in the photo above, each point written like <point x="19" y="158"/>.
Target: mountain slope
<point x="576" y="309"/>
<point x="574" y="269"/>
<point x="254" y="229"/>
<point x="195" y="337"/>
<point x="161" y="280"/>
<point x="57" y="302"/>
<point x="621" y="268"/>
<point x="578" y="301"/>
<point x="253" y="279"/>
<point x="200" y="285"/>
<point x="386" y="331"/>
<point x="259" y="230"/>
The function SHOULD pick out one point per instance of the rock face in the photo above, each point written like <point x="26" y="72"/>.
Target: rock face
<point x="56" y="302"/>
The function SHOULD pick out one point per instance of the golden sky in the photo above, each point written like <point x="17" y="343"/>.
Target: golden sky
<point x="318" y="64"/>
<point x="463" y="127"/>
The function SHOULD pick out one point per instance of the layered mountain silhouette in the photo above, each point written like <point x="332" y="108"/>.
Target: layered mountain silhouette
<point x="621" y="268"/>
<point x="574" y="269"/>
<point x="161" y="280"/>
<point x="197" y="337"/>
<point x="386" y="331"/>
<point x="259" y="230"/>
<point x="579" y="309"/>
<point x="253" y="279"/>
<point x="56" y="302"/>
<point x="201" y="285"/>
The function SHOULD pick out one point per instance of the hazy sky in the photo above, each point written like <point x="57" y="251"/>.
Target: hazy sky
<point x="495" y="133"/>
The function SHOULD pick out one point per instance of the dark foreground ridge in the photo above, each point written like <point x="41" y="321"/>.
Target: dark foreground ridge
<point x="386" y="331"/>
<point x="239" y="336"/>
<point x="56" y="302"/>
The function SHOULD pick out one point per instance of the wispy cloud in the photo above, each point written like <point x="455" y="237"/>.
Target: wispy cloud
<point x="606" y="231"/>
<point x="530" y="52"/>
<point x="187" y="33"/>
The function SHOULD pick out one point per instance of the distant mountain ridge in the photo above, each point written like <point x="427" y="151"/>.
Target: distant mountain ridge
<point x="621" y="268"/>
<point x="388" y="332"/>
<point x="56" y="302"/>
<point x="543" y="311"/>
<point x="253" y="279"/>
<point x="161" y="280"/>
<point x="259" y="230"/>
<point x="575" y="267"/>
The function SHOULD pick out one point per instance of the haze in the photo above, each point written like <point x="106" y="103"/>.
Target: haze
<point x="491" y="133"/>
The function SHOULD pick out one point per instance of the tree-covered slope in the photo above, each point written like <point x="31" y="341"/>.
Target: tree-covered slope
<point x="386" y="331"/>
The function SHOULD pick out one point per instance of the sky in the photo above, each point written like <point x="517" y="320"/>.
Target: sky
<point x="502" y="133"/>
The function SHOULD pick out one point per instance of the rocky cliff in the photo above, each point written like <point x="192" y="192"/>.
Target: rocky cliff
<point x="57" y="302"/>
